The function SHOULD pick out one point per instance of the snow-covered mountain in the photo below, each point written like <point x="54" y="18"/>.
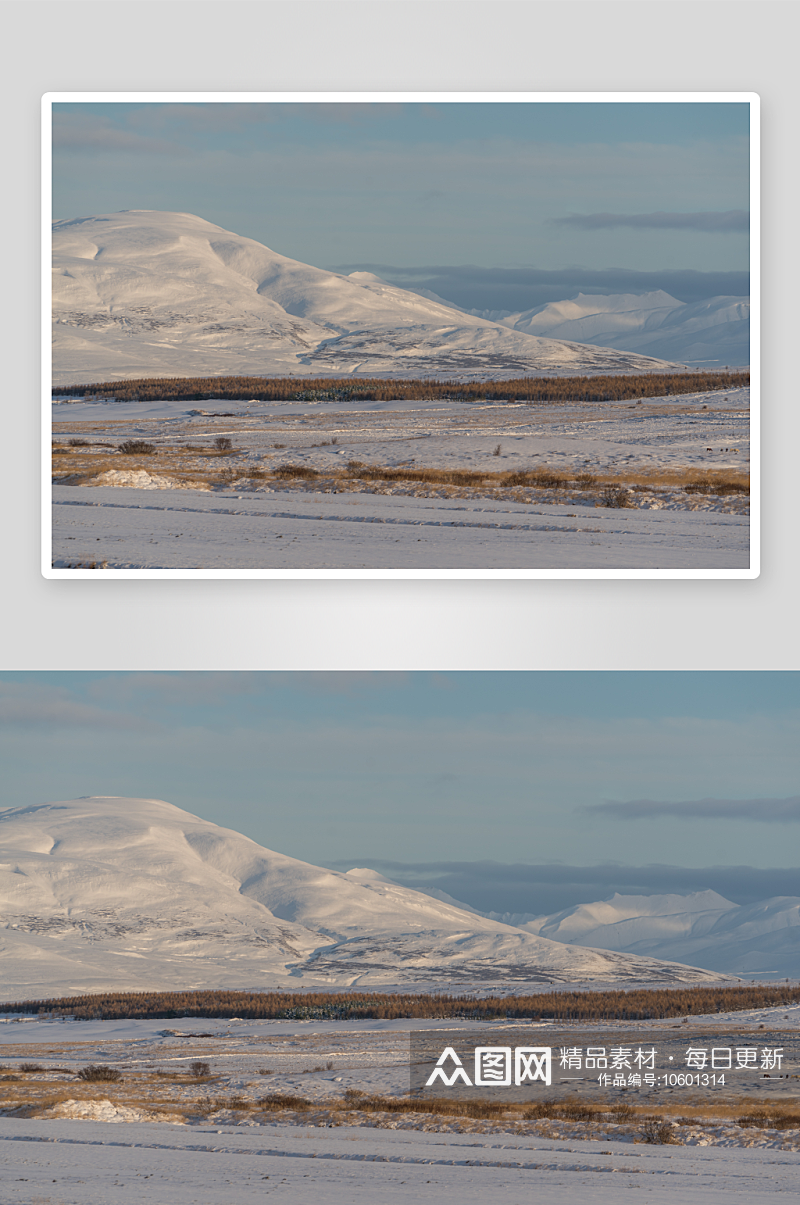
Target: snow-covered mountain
<point x="702" y="928"/>
<point x="130" y="893"/>
<point x="713" y="333"/>
<point x="146" y="293"/>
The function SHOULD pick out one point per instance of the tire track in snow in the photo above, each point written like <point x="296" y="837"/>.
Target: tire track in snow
<point x="350" y="518"/>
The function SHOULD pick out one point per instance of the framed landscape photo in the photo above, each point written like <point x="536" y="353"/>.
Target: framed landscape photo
<point x="400" y="335"/>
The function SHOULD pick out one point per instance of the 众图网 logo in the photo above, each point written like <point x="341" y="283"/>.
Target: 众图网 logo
<point x="494" y="1066"/>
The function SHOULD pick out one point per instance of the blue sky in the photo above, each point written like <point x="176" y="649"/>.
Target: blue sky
<point x="499" y="205"/>
<point x="525" y="791"/>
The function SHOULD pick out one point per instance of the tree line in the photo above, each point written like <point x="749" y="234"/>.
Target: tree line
<point x="523" y="389"/>
<point x="639" y="1004"/>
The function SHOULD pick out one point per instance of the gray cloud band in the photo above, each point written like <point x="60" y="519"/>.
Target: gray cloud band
<point x="516" y="289"/>
<point x="544" y="888"/>
<point x="775" y="811"/>
<point x="731" y="221"/>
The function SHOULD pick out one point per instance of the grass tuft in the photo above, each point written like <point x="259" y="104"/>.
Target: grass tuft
<point x="283" y="1100"/>
<point x="295" y="470"/>
<point x="95" y="1073"/>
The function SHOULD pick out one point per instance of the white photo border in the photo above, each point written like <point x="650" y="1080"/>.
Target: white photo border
<point x="750" y="98"/>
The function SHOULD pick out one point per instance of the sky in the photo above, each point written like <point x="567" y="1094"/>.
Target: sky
<point x="491" y="205"/>
<point x="522" y="792"/>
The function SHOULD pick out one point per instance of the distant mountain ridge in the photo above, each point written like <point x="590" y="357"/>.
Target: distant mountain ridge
<point x="107" y="892"/>
<point x="149" y="293"/>
<point x="702" y="928"/>
<point x="714" y="333"/>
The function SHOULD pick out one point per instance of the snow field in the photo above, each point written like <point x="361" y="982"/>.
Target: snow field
<point x="703" y="431"/>
<point x="88" y="1163"/>
<point x="307" y="531"/>
<point x="92" y="1152"/>
<point x="657" y="446"/>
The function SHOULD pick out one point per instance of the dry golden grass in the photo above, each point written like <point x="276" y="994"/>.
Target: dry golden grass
<point x="155" y="1092"/>
<point x="206" y="467"/>
<point x="689" y="479"/>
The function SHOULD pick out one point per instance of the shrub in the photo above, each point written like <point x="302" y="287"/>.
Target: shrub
<point x="622" y="1111"/>
<point x="222" y="443"/>
<point x="764" y="1121"/>
<point x="95" y="1073"/>
<point x="78" y="443"/>
<point x="284" y="1100"/>
<point x="132" y="447"/>
<point x="546" y="479"/>
<point x="199" y="1069"/>
<point x="656" y="1130"/>
<point x="30" y="1067"/>
<point x="295" y="470"/>
<point x="709" y="486"/>
<point x="615" y="496"/>
<point x="585" y="480"/>
<point x="571" y="1109"/>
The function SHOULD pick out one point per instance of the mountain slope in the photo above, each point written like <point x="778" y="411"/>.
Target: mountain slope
<point x="711" y="333"/>
<point x="146" y="293"/>
<point x="702" y="928"/>
<point x="107" y="892"/>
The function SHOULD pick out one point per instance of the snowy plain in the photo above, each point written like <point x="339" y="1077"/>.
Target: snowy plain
<point x="91" y="1163"/>
<point x="92" y="1153"/>
<point x="124" y="519"/>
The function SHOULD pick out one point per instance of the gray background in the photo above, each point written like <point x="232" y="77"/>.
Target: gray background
<point x="443" y="46"/>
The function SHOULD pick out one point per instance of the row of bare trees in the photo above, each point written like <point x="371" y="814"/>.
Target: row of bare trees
<point x="524" y="389"/>
<point x="631" y="1005"/>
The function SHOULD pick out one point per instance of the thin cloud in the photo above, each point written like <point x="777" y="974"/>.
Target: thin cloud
<point x="234" y="117"/>
<point x="187" y="688"/>
<point x="85" y="132"/>
<point x="731" y="221"/>
<point x="24" y="705"/>
<point x="775" y="811"/>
